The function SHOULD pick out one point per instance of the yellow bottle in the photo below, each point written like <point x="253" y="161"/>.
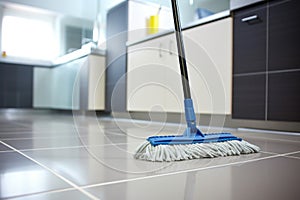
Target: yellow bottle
<point x="153" y="24"/>
<point x="4" y="54"/>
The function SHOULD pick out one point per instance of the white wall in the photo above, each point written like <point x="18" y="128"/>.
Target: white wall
<point x="86" y="9"/>
<point x="138" y="15"/>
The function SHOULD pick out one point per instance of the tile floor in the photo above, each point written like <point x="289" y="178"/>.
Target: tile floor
<point x="61" y="156"/>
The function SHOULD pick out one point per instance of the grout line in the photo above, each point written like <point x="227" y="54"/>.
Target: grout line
<point x="52" y="171"/>
<point x="284" y="70"/>
<point x="268" y="131"/>
<point x="187" y="171"/>
<point x="49" y="137"/>
<point x="269" y="139"/>
<point x="293" y="157"/>
<point x="267" y="152"/>
<point x="41" y="132"/>
<point x="267" y="72"/>
<point x="169" y="124"/>
<point x="291" y="153"/>
<point x="41" y="138"/>
<point x="46" y="136"/>
<point x="141" y="121"/>
<point x="41" y="193"/>
<point x="249" y="74"/>
<point x="70" y="147"/>
<point x="267" y="65"/>
<point x="7" y="151"/>
<point x="50" y="148"/>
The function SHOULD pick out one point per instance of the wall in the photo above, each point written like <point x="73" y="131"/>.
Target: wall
<point x="86" y="9"/>
<point x="139" y="13"/>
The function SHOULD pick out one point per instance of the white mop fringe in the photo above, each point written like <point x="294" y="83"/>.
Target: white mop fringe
<point x="193" y="151"/>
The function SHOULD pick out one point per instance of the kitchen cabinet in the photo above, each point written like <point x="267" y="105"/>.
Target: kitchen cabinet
<point x="126" y="22"/>
<point x="151" y="68"/>
<point x="250" y="36"/>
<point x="57" y="87"/>
<point x="79" y="84"/>
<point x="154" y="80"/>
<point x="116" y="34"/>
<point x="15" y="86"/>
<point x="284" y="96"/>
<point x="96" y="82"/>
<point x="266" y="44"/>
<point x="249" y="60"/>
<point x="284" y="35"/>
<point x="209" y="55"/>
<point x="249" y="99"/>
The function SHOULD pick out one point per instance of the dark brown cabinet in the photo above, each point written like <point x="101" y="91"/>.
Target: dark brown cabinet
<point x="284" y="35"/>
<point x="16" y="86"/>
<point x="284" y="96"/>
<point x="249" y="98"/>
<point x="250" y="26"/>
<point x="266" y="61"/>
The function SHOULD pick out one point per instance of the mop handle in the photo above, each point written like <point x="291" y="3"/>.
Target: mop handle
<point x="181" y="53"/>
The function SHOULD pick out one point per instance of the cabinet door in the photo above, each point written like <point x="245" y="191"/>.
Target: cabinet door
<point x="249" y="44"/>
<point x="284" y="35"/>
<point x="146" y="76"/>
<point x="284" y="96"/>
<point x="96" y="79"/>
<point x="173" y="86"/>
<point x="24" y="85"/>
<point x="249" y="97"/>
<point x="209" y="57"/>
<point x="154" y="80"/>
<point x="116" y="34"/>
<point x="16" y="86"/>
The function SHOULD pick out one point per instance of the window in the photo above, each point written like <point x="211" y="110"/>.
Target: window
<point x="30" y="37"/>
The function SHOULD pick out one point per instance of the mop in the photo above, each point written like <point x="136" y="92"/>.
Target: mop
<point x="192" y="144"/>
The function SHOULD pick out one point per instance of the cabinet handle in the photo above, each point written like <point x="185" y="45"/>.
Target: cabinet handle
<point x="160" y="47"/>
<point x="250" y="18"/>
<point x="170" y="47"/>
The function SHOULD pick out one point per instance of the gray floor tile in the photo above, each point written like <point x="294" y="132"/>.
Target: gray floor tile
<point x="121" y="158"/>
<point x="4" y="148"/>
<point x="38" y="143"/>
<point x="276" y="178"/>
<point x="21" y="176"/>
<point x="88" y="150"/>
<point x="79" y="165"/>
<point x="39" y="134"/>
<point x="272" y="142"/>
<point x="75" y="140"/>
<point x="99" y="164"/>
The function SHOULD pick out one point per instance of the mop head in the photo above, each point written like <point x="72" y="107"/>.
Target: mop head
<point x="176" y="148"/>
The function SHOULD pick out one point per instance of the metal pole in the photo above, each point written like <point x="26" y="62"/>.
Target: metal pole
<point x="181" y="53"/>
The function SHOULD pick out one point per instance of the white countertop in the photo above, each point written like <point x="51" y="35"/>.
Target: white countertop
<point x="58" y="61"/>
<point x="235" y="4"/>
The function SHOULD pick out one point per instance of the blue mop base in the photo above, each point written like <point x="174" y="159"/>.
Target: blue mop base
<point x="192" y="134"/>
<point x="182" y="139"/>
